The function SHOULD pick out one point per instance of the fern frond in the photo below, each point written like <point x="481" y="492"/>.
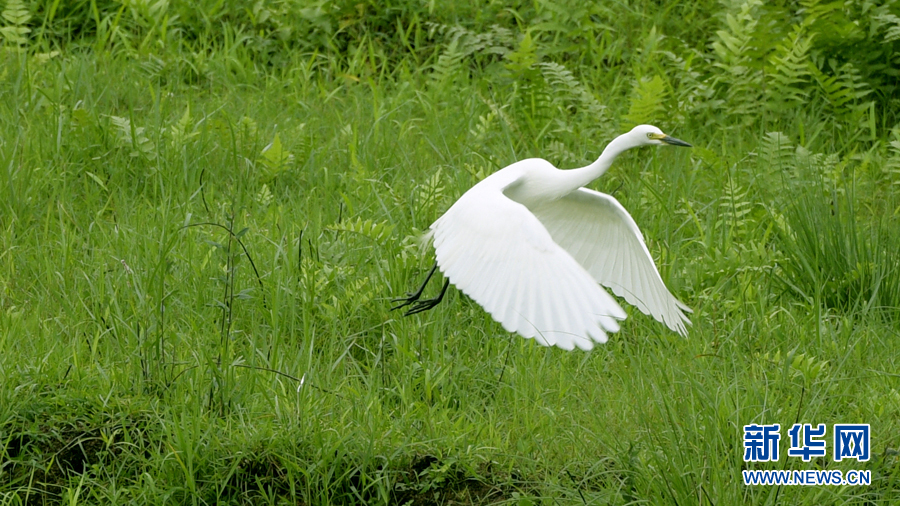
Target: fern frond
<point x="844" y="90"/>
<point x="18" y="16"/>
<point x="463" y="43"/>
<point x="130" y="136"/>
<point x="647" y="102"/>
<point x="568" y="90"/>
<point x="734" y="210"/>
<point x="559" y="76"/>
<point x="182" y="130"/>
<point x="274" y="159"/>
<point x="497" y="40"/>
<point x="692" y="91"/>
<point x="776" y="151"/>
<point x="378" y="231"/>
<point x="891" y="25"/>
<point x="560" y="154"/>
<point x="892" y="163"/>
<point x="735" y="49"/>
<point x="431" y="192"/>
<point x="789" y="70"/>
<point x="448" y="63"/>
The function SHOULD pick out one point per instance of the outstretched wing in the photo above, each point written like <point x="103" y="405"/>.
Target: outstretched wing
<point x="498" y="253"/>
<point x="600" y="234"/>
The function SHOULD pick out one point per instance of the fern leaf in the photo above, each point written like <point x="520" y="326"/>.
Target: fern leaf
<point x="735" y="49"/>
<point x="648" y="100"/>
<point x="448" y="63"/>
<point x="183" y="130"/>
<point x="789" y="70"/>
<point x="892" y="164"/>
<point x="18" y="16"/>
<point x="892" y="24"/>
<point x="16" y="13"/>
<point x="275" y="159"/>
<point x="844" y="90"/>
<point x="377" y="231"/>
<point x="431" y="192"/>
<point x="130" y="136"/>
<point x="776" y="151"/>
<point x="524" y="57"/>
<point x="463" y="43"/>
<point x="568" y="91"/>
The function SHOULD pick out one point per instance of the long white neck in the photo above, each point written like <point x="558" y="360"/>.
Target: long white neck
<point x="573" y="179"/>
<point x="550" y="183"/>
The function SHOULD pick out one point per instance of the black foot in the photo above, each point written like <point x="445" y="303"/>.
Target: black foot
<point x="414" y="299"/>
<point x="419" y="305"/>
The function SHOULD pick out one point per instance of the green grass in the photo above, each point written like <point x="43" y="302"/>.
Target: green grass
<point x="144" y="360"/>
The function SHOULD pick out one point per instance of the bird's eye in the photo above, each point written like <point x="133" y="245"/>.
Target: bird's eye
<point x="650" y="135"/>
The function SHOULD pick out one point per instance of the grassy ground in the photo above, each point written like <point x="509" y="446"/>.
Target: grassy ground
<point x="196" y="274"/>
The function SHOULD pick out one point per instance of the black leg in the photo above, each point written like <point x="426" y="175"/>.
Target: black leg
<point x="414" y="298"/>
<point x="425" y="305"/>
<point x="505" y="360"/>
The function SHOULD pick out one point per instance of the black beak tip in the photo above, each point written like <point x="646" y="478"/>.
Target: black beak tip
<point x="675" y="142"/>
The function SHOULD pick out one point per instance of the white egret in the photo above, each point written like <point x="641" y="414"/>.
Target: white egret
<point x="530" y="244"/>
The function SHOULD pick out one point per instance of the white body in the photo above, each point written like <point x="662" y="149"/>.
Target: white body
<point x="530" y="245"/>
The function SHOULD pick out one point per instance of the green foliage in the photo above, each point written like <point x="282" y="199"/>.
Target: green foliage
<point x="648" y="102"/>
<point x="738" y="54"/>
<point x="207" y="206"/>
<point x="771" y="57"/>
<point x="800" y="365"/>
<point x="841" y="89"/>
<point x="274" y="159"/>
<point x="836" y="261"/>
<point x="836" y="256"/>
<point x="378" y="232"/>
<point x="892" y="163"/>
<point x="747" y="59"/>
<point x="789" y="63"/>
<point x="183" y="130"/>
<point x="132" y="137"/>
<point x="16" y="30"/>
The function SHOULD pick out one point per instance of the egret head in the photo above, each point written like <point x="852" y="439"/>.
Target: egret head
<point x="649" y="134"/>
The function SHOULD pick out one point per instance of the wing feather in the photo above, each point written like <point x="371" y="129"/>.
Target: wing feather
<point x="601" y="236"/>
<point x="510" y="265"/>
